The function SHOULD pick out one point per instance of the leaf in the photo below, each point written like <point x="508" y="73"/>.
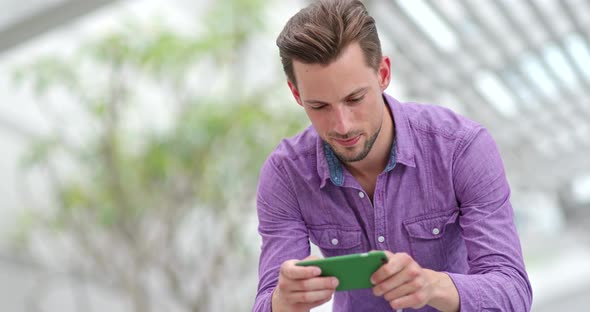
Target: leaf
<point x="74" y="196"/>
<point x="39" y="152"/>
<point x="26" y="222"/>
<point x="108" y="215"/>
<point x="46" y="73"/>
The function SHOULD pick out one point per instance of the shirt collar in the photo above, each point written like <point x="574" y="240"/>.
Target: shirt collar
<point x="404" y="139"/>
<point x="402" y="150"/>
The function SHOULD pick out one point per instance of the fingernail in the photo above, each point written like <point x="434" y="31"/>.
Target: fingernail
<point x="335" y="282"/>
<point x="317" y="271"/>
<point x="372" y="281"/>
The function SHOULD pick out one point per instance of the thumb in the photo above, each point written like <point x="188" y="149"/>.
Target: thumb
<point x="311" y="257"/>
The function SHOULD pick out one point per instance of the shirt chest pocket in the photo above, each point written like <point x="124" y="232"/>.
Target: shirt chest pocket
<point x="429" y="236"/>
<point x="335" y="241"/>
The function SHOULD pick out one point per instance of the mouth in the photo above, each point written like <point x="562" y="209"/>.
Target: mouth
<point x="348" y="142"/>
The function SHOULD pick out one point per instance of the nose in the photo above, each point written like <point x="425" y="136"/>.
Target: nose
<point x="342" y="120"/>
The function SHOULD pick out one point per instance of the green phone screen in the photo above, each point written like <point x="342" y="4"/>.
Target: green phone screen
<point x="353" y="271"/>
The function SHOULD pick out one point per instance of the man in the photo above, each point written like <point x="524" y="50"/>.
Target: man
<point x="421" y="183"/>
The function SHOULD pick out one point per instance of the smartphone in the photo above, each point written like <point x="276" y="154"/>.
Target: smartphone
<point x="353" y="271"/>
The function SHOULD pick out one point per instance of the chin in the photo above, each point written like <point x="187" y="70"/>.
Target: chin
<point x="348" y="155"/>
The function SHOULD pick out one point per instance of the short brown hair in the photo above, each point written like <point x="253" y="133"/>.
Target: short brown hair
<point x="318" y="33"/>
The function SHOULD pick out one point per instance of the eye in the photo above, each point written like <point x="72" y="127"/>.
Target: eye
<point x="317" y="107"/>
<point x="356" y="100"/>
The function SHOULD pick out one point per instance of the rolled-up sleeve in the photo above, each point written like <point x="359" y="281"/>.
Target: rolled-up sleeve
<point x="281" y="226"/>
<point x="497" y="280"/>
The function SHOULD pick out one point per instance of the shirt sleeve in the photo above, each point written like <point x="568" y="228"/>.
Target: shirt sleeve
<point x="497" y="280"/>
<point x="281" y="226"/>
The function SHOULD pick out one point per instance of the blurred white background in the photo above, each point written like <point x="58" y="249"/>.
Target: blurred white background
<point x="521" y="68"/>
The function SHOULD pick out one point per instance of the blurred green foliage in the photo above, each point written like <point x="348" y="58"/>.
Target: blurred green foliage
<point x="122" y="194"/>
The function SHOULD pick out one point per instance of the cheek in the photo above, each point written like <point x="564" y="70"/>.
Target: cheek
<point x="318" y="121"/>
<point x="362" y="115"/>
<point x="376" y="111"/>
<point x="369" y="116"/>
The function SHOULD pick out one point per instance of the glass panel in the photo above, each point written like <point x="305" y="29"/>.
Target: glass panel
<point x="555" y="58"/>
<point x="532" y="67"/>
<point x="578" y="49"/>
<point x="581" y="189"/>
<point x="496" y="93"/>
<point x="16" y="10"/>
<point x="431" y="23"/>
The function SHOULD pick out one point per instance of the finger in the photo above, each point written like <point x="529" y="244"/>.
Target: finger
<point x="409" y="273"/>
<point x="415" y="300"/>
<point x="317" y="283"/>
<point x="294" y="272"/>
<point x="309" y="296"/>
<point x="396" y="263"/>
<point x="311" y="257"/>
<point x="411" y="287"/>
<point x="309" y="306"/>
<point x="320" y="302"/>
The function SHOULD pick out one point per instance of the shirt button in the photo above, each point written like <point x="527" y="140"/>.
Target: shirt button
<point x="334" y="241"/>
<point x="381" y="239"/>
<point x="361" y="195"/>
<point x="435" y="231"/>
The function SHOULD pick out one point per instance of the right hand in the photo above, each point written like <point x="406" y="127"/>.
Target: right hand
<point x="301" y="288"/>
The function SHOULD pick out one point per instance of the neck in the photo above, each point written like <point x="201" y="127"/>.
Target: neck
<point x="378" y="157"/>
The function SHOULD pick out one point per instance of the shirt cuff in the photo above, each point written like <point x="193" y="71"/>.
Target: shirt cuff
<point x="469" y="291"/>
<point x="263" y="302"/>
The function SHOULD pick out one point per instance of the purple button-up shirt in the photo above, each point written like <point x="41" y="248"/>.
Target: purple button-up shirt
<point x="443" y="199"/>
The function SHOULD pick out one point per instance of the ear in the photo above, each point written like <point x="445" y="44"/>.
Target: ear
<point x="295" y="92"/>
<point x="384" y="73"/>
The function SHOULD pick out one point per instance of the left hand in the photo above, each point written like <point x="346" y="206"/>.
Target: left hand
<point x="405" y="284"/>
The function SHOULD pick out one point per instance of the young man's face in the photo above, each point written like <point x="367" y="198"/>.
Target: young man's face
<point x="344" y="101"/>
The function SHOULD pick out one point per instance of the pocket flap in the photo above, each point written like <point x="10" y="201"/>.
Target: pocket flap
<point x="333" y="238"/>
<point x="430" y="226"/>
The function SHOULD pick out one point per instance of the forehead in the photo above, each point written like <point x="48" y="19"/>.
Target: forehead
<point x="347" y="73"/>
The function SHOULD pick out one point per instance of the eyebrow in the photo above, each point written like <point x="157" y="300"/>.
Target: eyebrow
<point x="356" y="92"/>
